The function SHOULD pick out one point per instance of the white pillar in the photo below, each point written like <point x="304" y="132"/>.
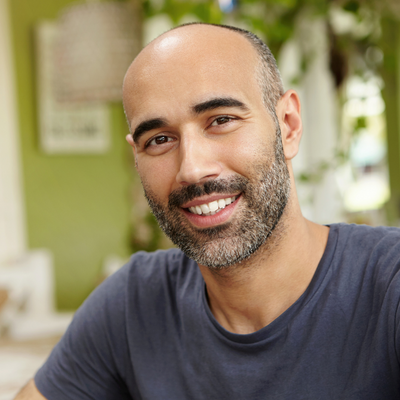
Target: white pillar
<point x="12" y="217"/>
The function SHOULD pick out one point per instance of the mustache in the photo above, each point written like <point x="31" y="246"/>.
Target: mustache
<point x="188" y="193"/>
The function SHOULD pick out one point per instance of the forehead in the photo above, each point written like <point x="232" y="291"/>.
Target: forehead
<point x="189" y="65"/>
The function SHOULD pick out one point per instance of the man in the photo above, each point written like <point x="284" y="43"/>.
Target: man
<point x="263" y="304"/>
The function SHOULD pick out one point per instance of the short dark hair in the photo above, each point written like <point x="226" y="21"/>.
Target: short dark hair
<point x="269" y="76"/>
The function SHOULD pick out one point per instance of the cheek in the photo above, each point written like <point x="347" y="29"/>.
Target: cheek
<point x="158" y="175"/>
<point x="245" y="151"/>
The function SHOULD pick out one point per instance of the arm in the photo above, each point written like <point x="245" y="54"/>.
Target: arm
<point x="29" y="392"/>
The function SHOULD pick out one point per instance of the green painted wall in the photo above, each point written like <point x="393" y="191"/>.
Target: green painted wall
<point x="78" y="206"/>
<point x="390" y="72"/>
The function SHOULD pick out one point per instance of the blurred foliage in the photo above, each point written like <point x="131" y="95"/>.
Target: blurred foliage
<point x="276" y="20"/>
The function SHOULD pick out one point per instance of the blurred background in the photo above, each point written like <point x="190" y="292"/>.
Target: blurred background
<point x="71" y="205"/>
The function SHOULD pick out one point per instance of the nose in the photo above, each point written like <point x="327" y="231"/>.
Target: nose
<point x="198" y="160"/>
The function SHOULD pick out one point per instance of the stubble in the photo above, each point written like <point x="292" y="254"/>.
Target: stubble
<point x="264" y="197"/>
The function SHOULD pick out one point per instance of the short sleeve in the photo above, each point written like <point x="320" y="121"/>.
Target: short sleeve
<point x="91" y="360"/>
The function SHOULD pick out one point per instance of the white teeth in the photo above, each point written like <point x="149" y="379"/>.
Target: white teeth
<point x="204" y="208"/>
<point x="213" y="207"/>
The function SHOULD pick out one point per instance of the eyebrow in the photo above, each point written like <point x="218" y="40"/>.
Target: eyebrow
<point x="212" y="104"/>
<point x="217" y="103"/>
<point x="148" y="125"/>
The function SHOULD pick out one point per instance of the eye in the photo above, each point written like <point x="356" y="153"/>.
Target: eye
<point x="223" y="119"/>
<point x="159" y="140"/>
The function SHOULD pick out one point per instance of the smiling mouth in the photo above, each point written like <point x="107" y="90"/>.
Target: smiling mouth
<point x="213" y="207"/>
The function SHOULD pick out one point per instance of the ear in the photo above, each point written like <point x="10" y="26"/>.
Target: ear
<point x="130" y="140"/>
<point x="288" y="112"/>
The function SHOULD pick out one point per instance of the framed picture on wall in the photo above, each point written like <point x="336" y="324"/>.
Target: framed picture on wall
<point x="65" y="128"/>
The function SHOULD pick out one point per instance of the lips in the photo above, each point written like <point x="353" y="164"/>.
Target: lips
<point x="216" y="212"/>
<point x="213" y="207"/>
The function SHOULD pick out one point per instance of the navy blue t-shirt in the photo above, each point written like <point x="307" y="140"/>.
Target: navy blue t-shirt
<point x="147" y="333"/>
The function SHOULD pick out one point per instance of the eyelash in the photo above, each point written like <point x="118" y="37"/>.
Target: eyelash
<point x="155" y="138"/>
<point x="229" y="117"/>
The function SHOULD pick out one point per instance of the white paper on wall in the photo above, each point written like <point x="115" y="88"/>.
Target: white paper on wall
<point x="65" y="127"/>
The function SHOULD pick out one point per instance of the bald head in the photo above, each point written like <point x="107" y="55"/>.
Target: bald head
<point x="188" y="45"/>
<point x="268" y="76"/>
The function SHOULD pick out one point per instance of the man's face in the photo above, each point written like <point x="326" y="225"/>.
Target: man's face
<point x="208" y="153"/>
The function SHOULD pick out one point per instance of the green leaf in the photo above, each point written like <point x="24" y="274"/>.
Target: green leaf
<point x="352" y="6"/>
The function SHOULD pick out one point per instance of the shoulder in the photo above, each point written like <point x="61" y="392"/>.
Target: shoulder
<point x="142" y="282"/>
<point x="120" y="314"/>
<point x="363" y="234"/>
<point x="152" y="266"/>
<point x="144" y="272"/>
<point x="172" y="262"/>
<point x="157" y="269"/>
<point x="362" y="241"/>
<point x="368" y="255"/>
<point x="155" y="280"/>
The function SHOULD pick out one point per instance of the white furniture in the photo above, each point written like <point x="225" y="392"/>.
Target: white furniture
<point x="29" y="312"/>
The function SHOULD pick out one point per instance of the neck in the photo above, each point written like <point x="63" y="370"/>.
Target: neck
<point x="249" y="295"/>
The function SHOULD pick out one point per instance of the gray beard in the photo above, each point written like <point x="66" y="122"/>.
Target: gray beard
<point x="264" y="197"/>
